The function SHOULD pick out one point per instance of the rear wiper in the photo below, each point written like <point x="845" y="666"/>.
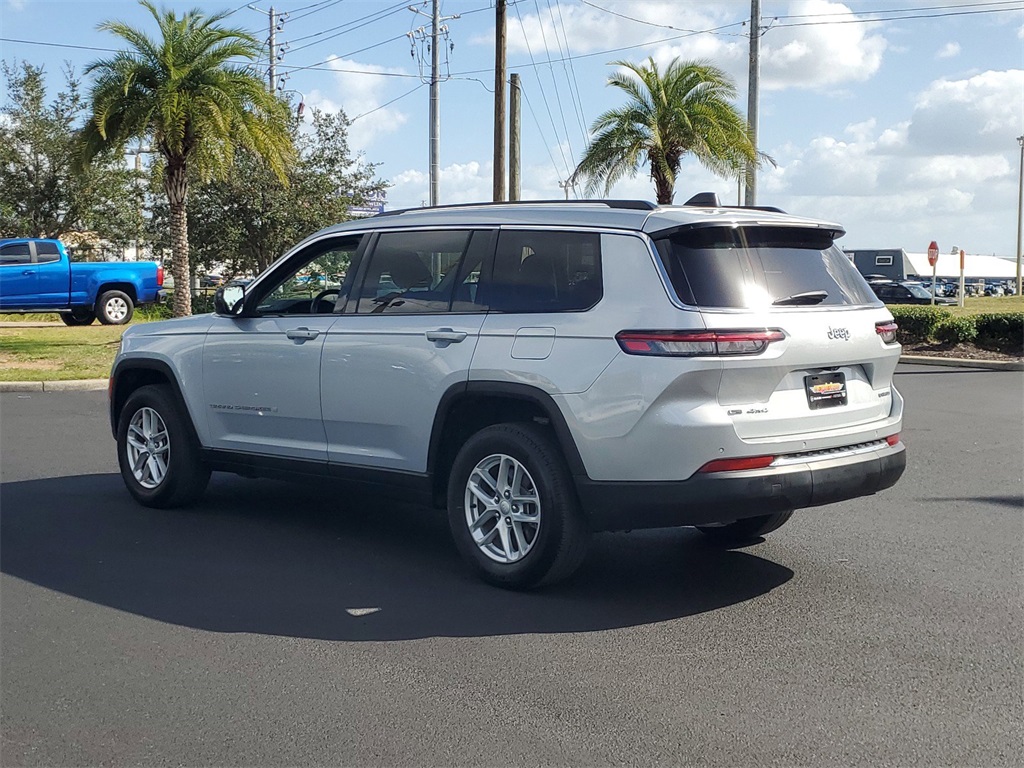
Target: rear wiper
<point x="801" y="299"/>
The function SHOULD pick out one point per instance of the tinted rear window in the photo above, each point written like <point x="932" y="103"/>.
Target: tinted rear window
<point x="752" y="267"/>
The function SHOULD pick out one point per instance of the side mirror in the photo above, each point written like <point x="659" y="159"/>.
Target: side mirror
<point x="228" y="300"/>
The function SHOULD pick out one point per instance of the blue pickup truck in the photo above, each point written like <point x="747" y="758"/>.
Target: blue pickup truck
<point x="37" y="276"/>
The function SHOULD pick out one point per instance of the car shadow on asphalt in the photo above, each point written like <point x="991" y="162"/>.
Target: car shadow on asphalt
<point x="291" y="560"/>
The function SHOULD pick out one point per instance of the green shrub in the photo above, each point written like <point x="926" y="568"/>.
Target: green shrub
<point x="917" y="323"/>
<point x="1003" y="332"/>
<point x="956" y="330"/>
<point x="150" y="312"/>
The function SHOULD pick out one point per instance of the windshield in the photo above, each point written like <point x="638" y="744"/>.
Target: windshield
<point x="918" y="290"/>
<point x="756" y="267"/>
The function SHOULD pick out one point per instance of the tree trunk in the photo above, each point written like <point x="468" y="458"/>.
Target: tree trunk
<point x="662" y="187"/>
<point x="176" y="186"/>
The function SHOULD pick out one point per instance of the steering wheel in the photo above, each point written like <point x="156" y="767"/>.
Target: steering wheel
<point x="314" y="306"/>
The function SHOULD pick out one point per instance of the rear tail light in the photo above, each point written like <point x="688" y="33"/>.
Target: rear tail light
<point x="887" y="331"/>
<point x="697" y="343"/>
<point x="893" y="439"/>
<point x="159" y="277"/>
<point x="731" y="465"/>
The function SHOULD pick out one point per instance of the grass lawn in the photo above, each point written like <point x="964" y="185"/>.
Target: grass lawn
<point x="980" y="305"/>
<point x="58" y="352"/>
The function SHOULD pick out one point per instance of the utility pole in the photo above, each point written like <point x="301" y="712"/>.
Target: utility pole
<point x="753" y="86"/>
<point x="436" y="31"/>
<point x="1020" y="212"/>
<point x="273" y="50"/>
<point x="499" y="100"/>
<point x="515" y="118"/>
<point x="276" y="22"/>
<point x="565" y="186"/>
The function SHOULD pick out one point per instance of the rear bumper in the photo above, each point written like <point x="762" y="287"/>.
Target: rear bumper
<point x="725" y="496"/>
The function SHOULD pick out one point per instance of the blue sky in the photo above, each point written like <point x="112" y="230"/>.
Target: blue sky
<point x="898" y="119"/>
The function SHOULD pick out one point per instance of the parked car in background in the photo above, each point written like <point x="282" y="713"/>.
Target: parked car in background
<point x="542" y="370"/>
<point x="36" y="275"/>
<point x="906" y="292"/>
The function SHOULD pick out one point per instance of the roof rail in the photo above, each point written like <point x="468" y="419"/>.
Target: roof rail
<point x="631" y="205"/>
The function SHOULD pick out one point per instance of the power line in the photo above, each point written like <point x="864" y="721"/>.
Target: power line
<point x="58" y="45"/>
<point x="329" y="3"/>
<point x="388" y="103"/>
<point x="544" y="97"/>
<point x="906" y="10"/>
<point x="554" y="81"/>
<point x="577" y="100"/>
<point x="381" y="13"/>
<point x="536" y="122"/>
<point x="901" y="18"/>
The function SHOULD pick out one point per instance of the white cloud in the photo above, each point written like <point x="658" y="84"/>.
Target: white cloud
<point x="361" y="89"/>
<point x="812" y="56"/>
<point x="16" y="5"/>
<point x="948" y="51"/>
<point x="974" y="116"/>
<point x="820" y="55"/>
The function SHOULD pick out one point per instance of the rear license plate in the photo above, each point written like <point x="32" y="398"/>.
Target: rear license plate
<point x="825" y="390"/>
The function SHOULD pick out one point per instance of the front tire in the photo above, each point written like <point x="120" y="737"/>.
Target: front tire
<point x="746" y="530"/>
<point x="115" y="308"/>
<point x="158" y="457"/>
<point x="78" y="316"/>
<point x="513" y="509"/>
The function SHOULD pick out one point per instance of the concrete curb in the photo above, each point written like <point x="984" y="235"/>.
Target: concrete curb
<point x="71" y="385"/>
<point x="963" y="362"/>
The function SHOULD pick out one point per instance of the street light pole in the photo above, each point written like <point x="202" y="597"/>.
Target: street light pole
<point x="1020" y="210"/>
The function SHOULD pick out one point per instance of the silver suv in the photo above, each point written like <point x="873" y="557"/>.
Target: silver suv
<point x="542" y="370"/>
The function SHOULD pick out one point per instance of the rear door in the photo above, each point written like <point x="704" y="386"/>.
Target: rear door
<point x="408" y="334"/>
<point x="831" y="369"/>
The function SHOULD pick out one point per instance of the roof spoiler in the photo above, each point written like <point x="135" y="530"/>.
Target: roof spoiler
<point x="710" y="200"/>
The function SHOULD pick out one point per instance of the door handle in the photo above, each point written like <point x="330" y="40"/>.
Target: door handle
<point x="446" y="334"/>
<point x="301" y="334"/>
<point x="28" y="272"/>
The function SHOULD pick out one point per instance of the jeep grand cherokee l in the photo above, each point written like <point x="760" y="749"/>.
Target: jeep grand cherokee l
<point x="542" y="370"/>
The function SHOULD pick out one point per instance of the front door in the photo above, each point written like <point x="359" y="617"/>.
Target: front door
<point x="19" y="278"/>
<point x="261" y="373"/>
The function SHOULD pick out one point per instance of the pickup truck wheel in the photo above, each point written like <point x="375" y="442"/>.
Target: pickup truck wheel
<point x="78" y="316"/>
<point x="743" y="531"/>
<point x="513" y="509"/>
<point x="114" y="308"/>
<point x="158" y="457"/>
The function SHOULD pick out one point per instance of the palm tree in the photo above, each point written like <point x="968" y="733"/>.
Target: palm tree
<point x="181" y="93"/>
<point x="686" y="109"/>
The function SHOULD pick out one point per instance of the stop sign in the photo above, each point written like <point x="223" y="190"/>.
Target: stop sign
<point x="933" y="253"/>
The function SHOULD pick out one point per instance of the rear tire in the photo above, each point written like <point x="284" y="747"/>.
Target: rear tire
<point x="158" y="457"/>
<point x="115" y="308"/>
<point x="78" y="316"/>
<point x="745" y="530"/>
<point x="513" y="509"/>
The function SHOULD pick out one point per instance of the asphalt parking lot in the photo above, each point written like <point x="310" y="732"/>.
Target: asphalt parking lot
<point x="286" y="624"/>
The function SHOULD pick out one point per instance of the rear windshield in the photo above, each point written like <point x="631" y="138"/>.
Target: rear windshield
<point x="756" y="267"/>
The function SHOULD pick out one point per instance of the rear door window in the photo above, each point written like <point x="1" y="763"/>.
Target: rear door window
<point x="46" y="252"/>
<point x="756" y="267"/>
<point x="545" y="271"/>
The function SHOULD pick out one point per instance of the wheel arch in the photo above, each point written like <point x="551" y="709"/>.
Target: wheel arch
<point x="126" y="288"/>
<point x="468" y="407"/>
<point x="131" y="374"/>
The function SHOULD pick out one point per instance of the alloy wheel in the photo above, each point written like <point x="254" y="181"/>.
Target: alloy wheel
<point x="503" y="509"/>
<point x="148" y="447"/>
